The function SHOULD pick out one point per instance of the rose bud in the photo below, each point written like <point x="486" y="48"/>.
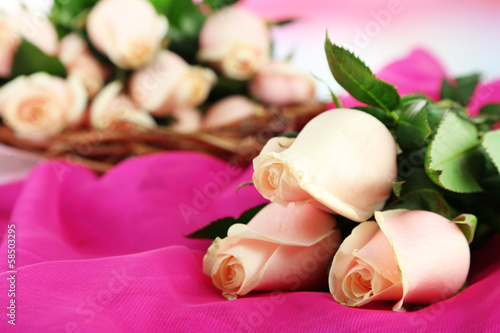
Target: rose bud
<point x="230" y="110"/>
<point x="78" y="60"/>
<point x="343" y="161"/>
<point x="412" y="257"/>
<point x="170" y="83"/>
<point x="187" y="120"/>
<point x="235" y="41"/>
<point x="129" y="32"/>
<point x="112" y="109"/>
<point x="280" y="83"/>
<point x="39" y="106"/>
<point x="281" y="248"/>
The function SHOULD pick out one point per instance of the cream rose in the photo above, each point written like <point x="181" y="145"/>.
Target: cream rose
<point x="39" y="106"/>
<point x="112" y="109"/>
<point x="281" y="248"/>
<point x="34" y="28"/>
<point x="343" y="161"/>
<point x="230" y="110"/>
<point x="129" y="32"/>
<point x="235" y="41"/>
<point x="9" y="42"/>
<point x="413" y="257"/>
<point x="280" y="83"/>
<point x="187" y="120"/>
<point x="77" y="59"/>
<point x="170" y="83"/>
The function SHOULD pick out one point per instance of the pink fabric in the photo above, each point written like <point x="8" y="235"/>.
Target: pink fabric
<point x="484" y="94"/>
<point x="419" y="72"/>
<point x="108" y="255"/>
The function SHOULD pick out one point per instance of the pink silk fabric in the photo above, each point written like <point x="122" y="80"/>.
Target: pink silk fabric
<point x="109" y="254"/>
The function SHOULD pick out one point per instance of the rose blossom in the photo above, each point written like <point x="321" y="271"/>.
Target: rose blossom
<point x="112" y="109"/>
<point x="170" y="83"/>
<point x="415" y="257"/>
<point x="38" y="30"/>
<point x="129" y="32"/>
<point x="9" y="42"/>
<point x="280" y="83"/>
<point x="235" y="41"/>
<point x="34" y="28"/>
<point x="39" y="106"/>
<point x="230" y="110"/>
<point x="77" y="59"/>
<point x="343" y="161"/>
<point x="187" y="120"/>
<point x="280" y="248"/>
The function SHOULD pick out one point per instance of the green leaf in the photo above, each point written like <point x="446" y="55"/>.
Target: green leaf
<point x="461" y="89"/>
<point x="413" y="129"/>
<point x="386" y="118"/>
<point x="282" y="22"/>
<point x="219" y="4"/>
<point x="488" y="115"/>
<point x="435" y="114"/>
<point x="467" y="223"/>
<point x="30" y="59"/>
<point x="355" y="77"/>
<point x="453" y="159"/>
<point x="219" y="227"/>
<point x="418" y="192"/>
<point x="491" y="144"/>
<point x="162" y="6"/>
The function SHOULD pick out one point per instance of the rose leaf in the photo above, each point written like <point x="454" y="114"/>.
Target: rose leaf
<point x="218" y="228"/>
<point x="355" y="77"/>
<point x="30" y="59"/>
<point x="454" y="160"/>
<point x="413" y="129"/>
<point x="491" y="144"/>
<point x="460" y="90"/>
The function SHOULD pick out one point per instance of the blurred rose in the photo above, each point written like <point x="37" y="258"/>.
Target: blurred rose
<point x="281" y="83"/>
<point x="78" y="61"/>
<point x="39" y="31"/>
<point x="129" y="32"/>
<point x="112" y="109"/>
<point x="9" y="42"/>
<point x="235" y="41"/>
<point x="413" y="257"/>
<point x="187" y="120"/>
<point x="342" y="161"/>
<point x="230" y="110"/>
<point x="281" y="248"/>
<point x="39" y="106"/>
<point x="170" y="83"/>
<point x="34" y="28"/>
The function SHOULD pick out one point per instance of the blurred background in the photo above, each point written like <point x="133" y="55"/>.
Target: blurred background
<point x="463" y="34"/>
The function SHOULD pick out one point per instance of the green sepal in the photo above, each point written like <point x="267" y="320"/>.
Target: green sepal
<point x="467" y="223"/>
<point x="220" y="227"/>
<point x="461" y="89"/>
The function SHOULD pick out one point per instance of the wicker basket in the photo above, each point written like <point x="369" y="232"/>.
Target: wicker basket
<point x="237" y="143"/>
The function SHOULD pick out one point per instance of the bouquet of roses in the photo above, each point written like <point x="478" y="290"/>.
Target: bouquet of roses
<point x="103" y="80"/>
<point x="390" y="194"/>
